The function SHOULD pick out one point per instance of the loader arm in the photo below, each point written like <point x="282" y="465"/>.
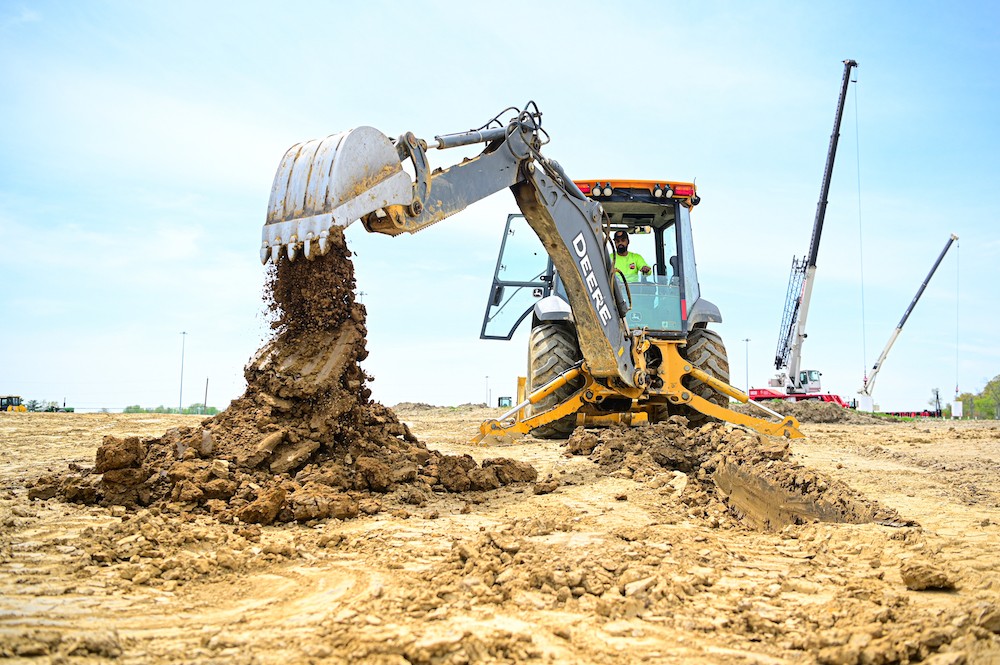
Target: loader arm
<point x="358" y="175"/>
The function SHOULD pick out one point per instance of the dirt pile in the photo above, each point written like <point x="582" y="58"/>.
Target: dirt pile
<point x="725" y="472"/>
<point x="303" y="442"/>
<point x="816" y="412"/>
<point x="413" y="406"/>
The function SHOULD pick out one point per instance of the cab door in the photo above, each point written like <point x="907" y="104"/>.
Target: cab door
<point x="811" y="381"/>
<point x="523" y="275"/>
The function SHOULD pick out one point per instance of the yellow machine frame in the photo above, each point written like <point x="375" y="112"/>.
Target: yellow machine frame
<point x="644" y="398"/>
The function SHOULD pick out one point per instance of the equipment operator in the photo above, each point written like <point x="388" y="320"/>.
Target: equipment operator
<point x="629" y="263"/>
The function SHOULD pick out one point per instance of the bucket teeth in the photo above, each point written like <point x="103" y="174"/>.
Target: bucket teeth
<point x="310" y="248"/>
<point x="333" y="181"/>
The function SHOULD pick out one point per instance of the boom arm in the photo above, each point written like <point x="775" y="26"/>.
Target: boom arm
<point x="358" y="175"/>
<point x="800" y="285"/>
<point x="870" y="381"/>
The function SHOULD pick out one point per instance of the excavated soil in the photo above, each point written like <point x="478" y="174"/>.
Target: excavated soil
<point x="730" y="473"/>
<point x="599" y="561"/>
<point x="303" y="443"/>
<point x="808" y="411"/>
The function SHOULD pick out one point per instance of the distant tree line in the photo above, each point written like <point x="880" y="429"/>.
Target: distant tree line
<point x="41" y="405"/>
<point x="195" y="409"/>
<point x="984" y="405"/>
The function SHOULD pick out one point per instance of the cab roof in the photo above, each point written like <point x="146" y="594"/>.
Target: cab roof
<point x="653" y="191"/>
<point x="632" y="203"/>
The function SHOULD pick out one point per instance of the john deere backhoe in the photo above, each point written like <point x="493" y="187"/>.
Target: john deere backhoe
<point x="603" y="349"/>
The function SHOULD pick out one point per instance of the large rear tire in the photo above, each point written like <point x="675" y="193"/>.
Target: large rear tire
<point x="705" y="351"/>
<point x="552" y="349"/>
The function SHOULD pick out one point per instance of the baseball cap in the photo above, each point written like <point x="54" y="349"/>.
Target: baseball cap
<point x="621" y="233"/>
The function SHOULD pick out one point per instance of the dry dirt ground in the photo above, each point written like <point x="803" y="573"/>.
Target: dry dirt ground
<point x="600" y="569"/>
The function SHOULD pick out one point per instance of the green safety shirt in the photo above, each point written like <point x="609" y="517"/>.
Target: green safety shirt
<point x="631" y="265"/>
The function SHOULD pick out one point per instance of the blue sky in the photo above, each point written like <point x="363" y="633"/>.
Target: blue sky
<point x="140" y="141"/>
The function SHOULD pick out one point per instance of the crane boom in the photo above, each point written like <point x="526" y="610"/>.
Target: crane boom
<point x="869" y="384"/>
<point x="800" y="284"/>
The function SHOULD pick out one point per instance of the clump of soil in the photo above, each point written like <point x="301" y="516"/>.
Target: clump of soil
<point x="304" y="442"/>
<point x="728" y="470"/>
<point x="919" y="574"/>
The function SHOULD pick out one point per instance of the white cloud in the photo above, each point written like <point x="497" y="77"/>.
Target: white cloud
<point x="23" y="15"/>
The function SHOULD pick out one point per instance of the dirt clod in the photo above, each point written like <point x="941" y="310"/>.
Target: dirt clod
<point x="920" y="574"/>
<point x="118" y="454"/>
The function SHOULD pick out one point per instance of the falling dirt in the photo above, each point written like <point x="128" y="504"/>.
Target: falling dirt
<point x="303" y="443"/>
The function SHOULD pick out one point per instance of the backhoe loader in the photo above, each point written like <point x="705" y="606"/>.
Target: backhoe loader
<point x="603" y="348"/>
<point x="12" y="403"/>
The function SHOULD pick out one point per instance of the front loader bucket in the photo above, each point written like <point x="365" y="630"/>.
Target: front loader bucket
<point x="327" y="182"/>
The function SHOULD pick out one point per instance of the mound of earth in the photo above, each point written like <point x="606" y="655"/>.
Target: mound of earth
<point x="413" y="406"/>
<point x="810" y="411"/>
<point x="304" y="442"/>
<point x="725" y="470"/>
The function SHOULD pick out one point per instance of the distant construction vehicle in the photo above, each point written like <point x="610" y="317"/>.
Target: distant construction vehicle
<point x="603" y="348"/>
<point x="11" y="403"/>
<point x="796" y="383"/>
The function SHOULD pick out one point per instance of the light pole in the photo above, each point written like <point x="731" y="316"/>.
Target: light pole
<point x="746" y="357"/>
<point x="180" y="401"/>
<point x="487" y="390"/>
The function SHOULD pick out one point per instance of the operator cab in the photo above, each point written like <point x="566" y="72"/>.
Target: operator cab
<point x="10" y="403"/>
<point x="810" y="381"/>
<point x="656" y="216"/>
